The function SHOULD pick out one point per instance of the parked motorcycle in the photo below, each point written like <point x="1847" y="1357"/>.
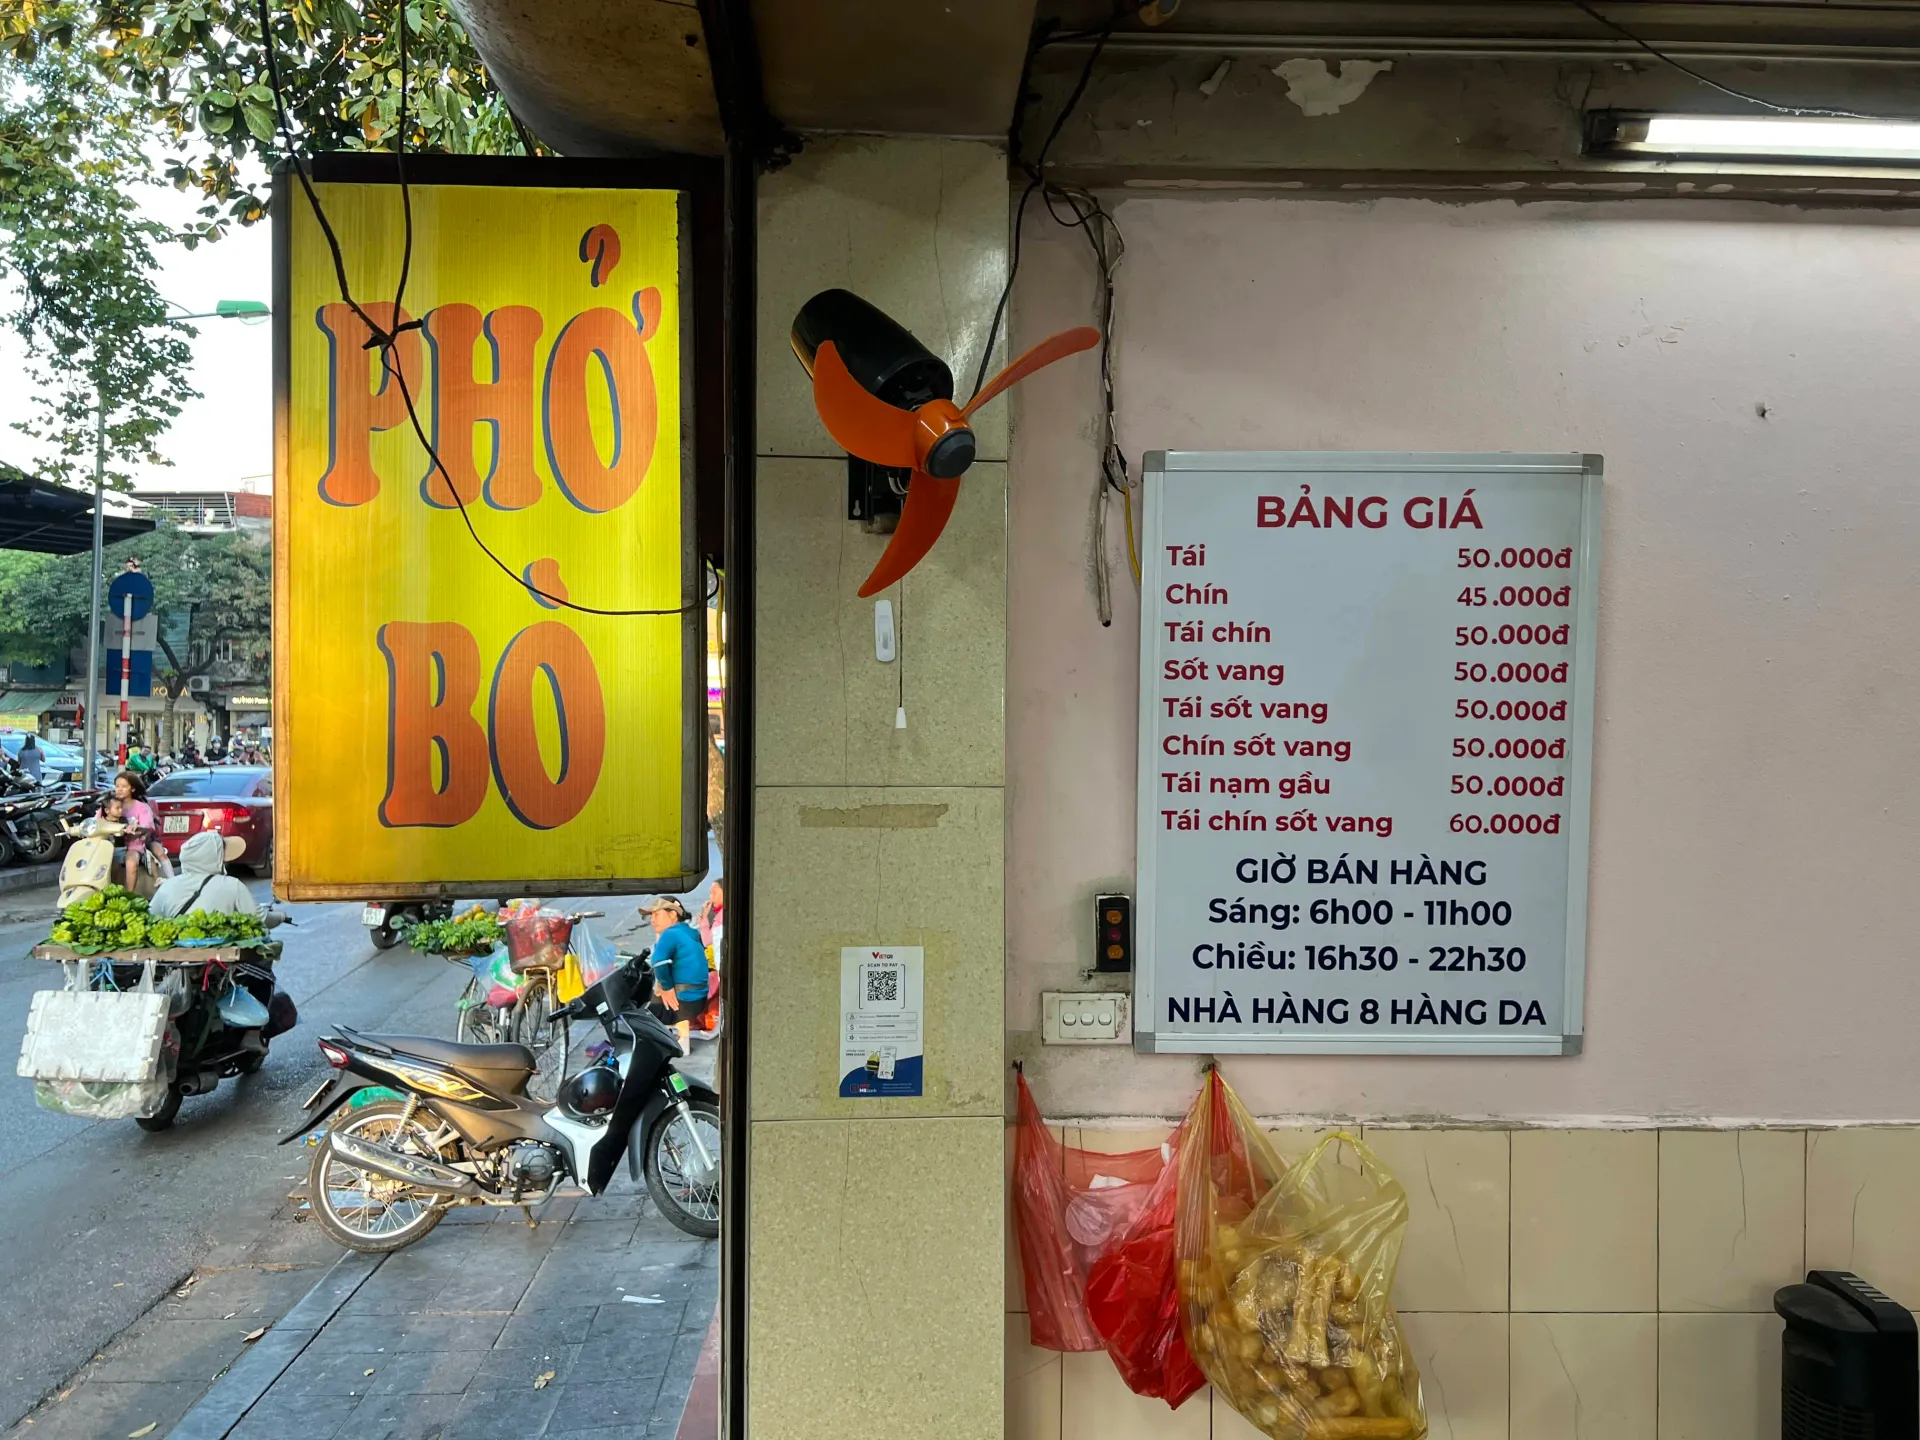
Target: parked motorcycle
<point x="467" y="1133"/>
<point x="30" y="828"/>
<point x="388" y="921"/>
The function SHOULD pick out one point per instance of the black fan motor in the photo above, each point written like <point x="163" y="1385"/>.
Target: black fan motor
<point x="1849" y="1368"/>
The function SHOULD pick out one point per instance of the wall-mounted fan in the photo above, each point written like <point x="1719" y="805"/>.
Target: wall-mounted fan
<point x="887" y="399"/>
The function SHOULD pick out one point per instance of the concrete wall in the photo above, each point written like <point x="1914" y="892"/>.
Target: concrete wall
<point x="1749" y="374"/>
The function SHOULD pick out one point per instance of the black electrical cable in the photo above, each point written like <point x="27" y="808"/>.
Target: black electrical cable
<point x="1037" y="173"/>
<point x="1741" y="95"/>
<point x="383" y="338"/>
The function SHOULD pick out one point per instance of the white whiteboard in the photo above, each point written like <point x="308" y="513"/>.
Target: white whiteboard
<point x="1366" y="741"/>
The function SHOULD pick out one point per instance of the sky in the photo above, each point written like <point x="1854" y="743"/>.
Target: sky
<point x="224" y="440"/>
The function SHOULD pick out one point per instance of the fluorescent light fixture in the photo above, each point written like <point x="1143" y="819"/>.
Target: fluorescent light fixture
<point x="1755" y="137"/>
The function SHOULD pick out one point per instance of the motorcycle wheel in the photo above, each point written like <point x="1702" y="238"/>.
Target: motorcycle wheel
<point x="161" y="1119"/>
<point x="366" y="1212"/>
<point x="41" y="843"/>
<point x="691" y="1207"/>
<point x="385" y="937"/>
<point x="7" y="848"/>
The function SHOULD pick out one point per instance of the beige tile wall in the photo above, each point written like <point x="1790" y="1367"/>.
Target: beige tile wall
<point x="875" y="1238"/>
<point x="1571" y="1284"/>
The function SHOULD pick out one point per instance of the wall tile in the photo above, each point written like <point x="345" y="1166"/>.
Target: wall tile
<point x="1860" y="1207"/>
<point x="1095" y="1401"/>
<point x="1585" y="1208"/>
<point x="918" y="227"/>
<point x="1463" y="1373"/>
<point x="869" y="1237"/>
<point x="1455" y="1255"/>
<point x="1585" y="1377"/>
<point x="826" y="706"/>
<point x="871" y="867"/>
<point x="1719" y="1377"/>
<point x="1033" y="1387"/>
<point x="1732" y="1217"/>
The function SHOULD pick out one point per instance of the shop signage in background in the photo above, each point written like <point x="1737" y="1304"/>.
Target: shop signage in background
<point x="441" y="727"/>
<point x="1366" y="734"/>
<point x="882" y="1006"/>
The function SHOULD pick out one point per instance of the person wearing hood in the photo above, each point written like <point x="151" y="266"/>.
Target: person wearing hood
<point x="203" y="883"/>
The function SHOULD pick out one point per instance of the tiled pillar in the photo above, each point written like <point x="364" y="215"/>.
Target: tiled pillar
<point x="877" y="1226"/>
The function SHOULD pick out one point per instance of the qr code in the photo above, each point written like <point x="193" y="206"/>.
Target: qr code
<point x="883" y="985"/>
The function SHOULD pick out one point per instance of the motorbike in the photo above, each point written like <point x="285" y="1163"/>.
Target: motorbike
<point x="465" y="1132"/>
<point x="30" y="827"/>
<point x="389" y="921"/>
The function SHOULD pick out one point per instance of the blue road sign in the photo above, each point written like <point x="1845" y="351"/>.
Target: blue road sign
<point x="130" y="583"/>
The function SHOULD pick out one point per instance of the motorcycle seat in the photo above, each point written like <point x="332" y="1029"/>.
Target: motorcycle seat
<point x="514" y="1059"/>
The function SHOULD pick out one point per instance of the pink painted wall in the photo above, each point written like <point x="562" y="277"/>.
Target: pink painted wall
<point x="1755" y="918"/>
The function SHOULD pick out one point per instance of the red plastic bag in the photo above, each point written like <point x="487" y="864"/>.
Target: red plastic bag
<point x="1097" y="1250"/>
<point x="1065" y="1224"/>
<point x="1134" y="1301"/>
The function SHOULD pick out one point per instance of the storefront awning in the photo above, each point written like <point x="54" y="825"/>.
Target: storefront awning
<point x="28" y="702"/>
<point x="51" y="519"/>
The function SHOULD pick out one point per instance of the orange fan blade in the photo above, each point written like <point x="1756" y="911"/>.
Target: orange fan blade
<point x="859" y="422"/>
<point x="925" y="514"/>
<point x="1067" y="342"/>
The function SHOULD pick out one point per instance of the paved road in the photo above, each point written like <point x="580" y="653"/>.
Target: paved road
<point x="99" y="1219"/>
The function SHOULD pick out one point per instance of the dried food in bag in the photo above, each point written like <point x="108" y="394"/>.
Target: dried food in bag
<point x="1286" y="1278"/>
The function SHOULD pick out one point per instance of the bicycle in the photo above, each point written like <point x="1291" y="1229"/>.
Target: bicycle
<point x="527" y="1021"/>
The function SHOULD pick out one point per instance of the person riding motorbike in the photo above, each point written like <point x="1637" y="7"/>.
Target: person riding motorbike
<point x="203" y="883"/>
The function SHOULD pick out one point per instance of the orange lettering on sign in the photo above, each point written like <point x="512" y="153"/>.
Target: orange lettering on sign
<point x="362" y="396"/>
<point x="605" y="338"/>
<point x="505" y="403"/>
<point x="433" y="678"/>
<point x="548" y="652"/>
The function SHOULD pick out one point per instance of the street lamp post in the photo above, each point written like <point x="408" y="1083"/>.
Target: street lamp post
<point x="247" y="311"/>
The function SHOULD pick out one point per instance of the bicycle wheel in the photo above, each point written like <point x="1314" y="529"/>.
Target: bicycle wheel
<point x="530" y="1028"/>
<point x="476" y="1024"/>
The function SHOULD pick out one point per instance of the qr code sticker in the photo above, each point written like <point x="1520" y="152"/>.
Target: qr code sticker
<point x="880" y="987"/>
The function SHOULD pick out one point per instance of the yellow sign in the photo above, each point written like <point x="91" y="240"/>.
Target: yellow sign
<point x="445" y="723"/>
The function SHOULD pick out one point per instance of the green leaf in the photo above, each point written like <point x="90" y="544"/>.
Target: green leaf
<point x="259" y="121"/>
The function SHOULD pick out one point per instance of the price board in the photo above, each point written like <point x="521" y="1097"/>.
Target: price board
<point x="1366" y="737"/>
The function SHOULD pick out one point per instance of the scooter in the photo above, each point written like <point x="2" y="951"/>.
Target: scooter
<point x="465" y="1132"/>
<point x="30" y="828"/>
<point x="389" y="921"/>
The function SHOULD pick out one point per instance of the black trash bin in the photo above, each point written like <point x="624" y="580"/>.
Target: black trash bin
<point x="1849" y="1369"/>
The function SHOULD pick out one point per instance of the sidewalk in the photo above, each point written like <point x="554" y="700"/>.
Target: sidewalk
<point x="490" y="1328"/>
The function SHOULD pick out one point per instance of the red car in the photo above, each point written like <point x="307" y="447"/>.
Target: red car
<point x="233" y="799"/>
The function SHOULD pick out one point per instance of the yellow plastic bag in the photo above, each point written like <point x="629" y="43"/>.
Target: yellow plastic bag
<point x="1286" y="1278"/>
<point x="568" y="983"/>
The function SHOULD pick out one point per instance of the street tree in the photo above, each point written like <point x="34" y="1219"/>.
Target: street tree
<point x="101" y="98"/>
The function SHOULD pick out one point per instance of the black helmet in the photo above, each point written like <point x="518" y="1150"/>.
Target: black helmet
<point x="591" y="1092"/>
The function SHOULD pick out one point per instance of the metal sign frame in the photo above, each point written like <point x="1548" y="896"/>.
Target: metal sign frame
<point x="1587" y="469"/>
<point x="702" y="461"/>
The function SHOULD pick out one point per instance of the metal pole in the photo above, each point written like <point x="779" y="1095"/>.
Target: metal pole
<point x="93" y="630"/>
<point x="126" y="675"/>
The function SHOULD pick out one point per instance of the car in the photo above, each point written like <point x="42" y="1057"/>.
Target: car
<point x="232" y="799"/>
<point x="63" y="762"/>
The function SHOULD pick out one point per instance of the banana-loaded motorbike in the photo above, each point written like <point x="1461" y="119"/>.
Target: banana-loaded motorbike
<point x="465" y="1131"/>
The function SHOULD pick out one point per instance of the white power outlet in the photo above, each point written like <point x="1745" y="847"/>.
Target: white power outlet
<point x="1097" y="1017"/>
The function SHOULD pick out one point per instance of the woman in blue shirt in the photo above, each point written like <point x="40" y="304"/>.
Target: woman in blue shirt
<point x="679" y="963"/>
